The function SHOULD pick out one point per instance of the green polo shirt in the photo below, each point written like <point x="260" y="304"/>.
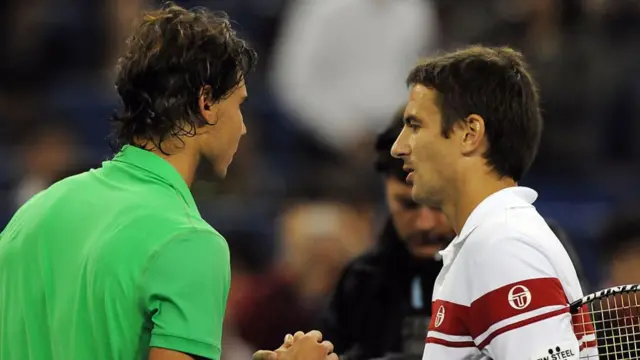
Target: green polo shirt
<point x="111" y="262"/>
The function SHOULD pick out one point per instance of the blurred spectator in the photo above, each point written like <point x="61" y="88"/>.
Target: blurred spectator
<point x="28" y="46"/>
<point x="119" y="17"/>
<point x="339" y="66"/>
<point x="616" y="319"/>
<point x="317" y="240"/>
<point x="48" y="153"/>
<point x="382" y="304"/>
<point x="620" y="249"/>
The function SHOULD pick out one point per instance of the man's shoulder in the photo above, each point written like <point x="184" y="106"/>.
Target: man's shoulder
<point x="161" y="224"/>
<point x="200" y="230"/>
<point x="144" y="207"/>
<point x="169" y="226"/>
<point x="204" y="240"/>
<point x="507" y="253"/>
<point x="503" y="233"/>
<point x="50" y="202"/>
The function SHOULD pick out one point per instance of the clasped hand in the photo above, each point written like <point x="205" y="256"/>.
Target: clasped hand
<point x="300" y="346"/>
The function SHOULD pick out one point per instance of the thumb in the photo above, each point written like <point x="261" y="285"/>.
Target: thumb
<point x="265" y="355"/>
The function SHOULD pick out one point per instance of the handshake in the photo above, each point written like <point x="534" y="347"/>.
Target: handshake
<point x="300" y="346"/>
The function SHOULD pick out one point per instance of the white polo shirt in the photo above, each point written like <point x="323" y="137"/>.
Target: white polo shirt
<point x="504" y="288"/>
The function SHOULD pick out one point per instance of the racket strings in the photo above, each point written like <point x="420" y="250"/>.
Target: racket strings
<point x="612" y="326"/>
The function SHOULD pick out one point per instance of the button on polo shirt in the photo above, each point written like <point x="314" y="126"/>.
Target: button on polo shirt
<point x="108" y="263"/>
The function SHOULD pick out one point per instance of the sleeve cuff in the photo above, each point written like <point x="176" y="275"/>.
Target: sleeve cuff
<point x="187" y="346"/>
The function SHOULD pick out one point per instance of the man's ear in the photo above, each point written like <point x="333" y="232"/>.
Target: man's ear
<point x="208" y="108"/>
<point x="205" y="101"/>
<point x="472" y="139"/>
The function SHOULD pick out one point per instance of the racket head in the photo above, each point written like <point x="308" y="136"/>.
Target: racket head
<point x="609" y="320"/>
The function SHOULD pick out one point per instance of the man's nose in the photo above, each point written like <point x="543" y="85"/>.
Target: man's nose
<point x="400" y="148"/>
<point x="425" y="219"/>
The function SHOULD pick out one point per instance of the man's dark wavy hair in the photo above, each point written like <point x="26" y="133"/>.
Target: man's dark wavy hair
<point x="172" y="55"/>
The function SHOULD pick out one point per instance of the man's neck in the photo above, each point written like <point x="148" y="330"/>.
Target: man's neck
<point x="469" y="194"/>
<point x="180" y="157"/>
<point x="185" y="162"/>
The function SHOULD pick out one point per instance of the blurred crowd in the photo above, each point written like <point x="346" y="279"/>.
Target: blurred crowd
<point x="302" y="197"/>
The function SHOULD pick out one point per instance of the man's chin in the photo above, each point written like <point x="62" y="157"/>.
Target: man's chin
<point x="425" y="198"/>
<point x="210" y="173"/>
<point x="219" y="174"/>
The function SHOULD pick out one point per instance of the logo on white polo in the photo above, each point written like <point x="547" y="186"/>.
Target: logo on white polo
<point x="519" y="297"/>
<point x="439" y="316"/>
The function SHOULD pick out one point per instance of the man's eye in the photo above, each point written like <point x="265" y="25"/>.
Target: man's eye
<point x="410" y="205"/>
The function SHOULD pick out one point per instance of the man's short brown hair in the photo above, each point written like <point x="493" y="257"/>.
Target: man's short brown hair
<point x="171" y="56"/>
<point x="493" y="83"/>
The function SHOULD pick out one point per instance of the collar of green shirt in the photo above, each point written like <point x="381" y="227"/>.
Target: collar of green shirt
<point x="154" y="164"/>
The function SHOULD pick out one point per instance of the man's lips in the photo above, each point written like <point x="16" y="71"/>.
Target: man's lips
<point x="409" y="170"/>
<point x="409" y="178"/>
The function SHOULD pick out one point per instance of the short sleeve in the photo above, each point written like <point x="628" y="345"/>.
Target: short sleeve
<point x="185" y="289"/>
<point x="518" y="306"/>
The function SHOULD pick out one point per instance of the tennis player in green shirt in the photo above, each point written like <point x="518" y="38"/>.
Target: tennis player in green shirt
<point x="117" y="263"/>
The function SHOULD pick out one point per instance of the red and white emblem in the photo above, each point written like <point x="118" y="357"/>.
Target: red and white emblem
<point x="519" y="297"/>
<point x="439" y="316"/>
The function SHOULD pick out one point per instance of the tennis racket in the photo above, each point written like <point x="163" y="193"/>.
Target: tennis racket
<point x="609" y="321"/>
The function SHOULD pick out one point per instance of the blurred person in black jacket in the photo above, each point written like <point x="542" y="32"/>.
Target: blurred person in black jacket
<point x="382" y="304"/>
